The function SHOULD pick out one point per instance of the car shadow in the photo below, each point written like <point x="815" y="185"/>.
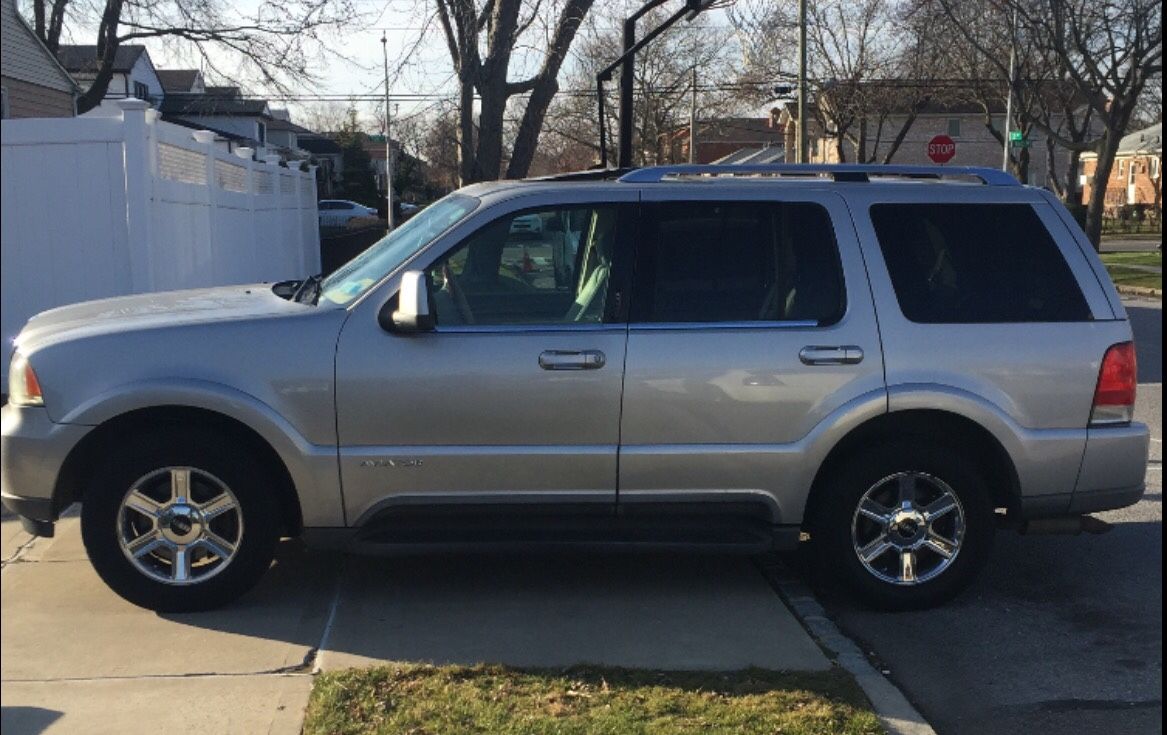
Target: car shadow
<point x="27" y="720"/>
<point x="537" y="609"/>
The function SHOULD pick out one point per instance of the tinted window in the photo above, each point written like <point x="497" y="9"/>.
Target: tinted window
<point x="549" y="266"/>
<point x="738" y="262"/>
<point x="976" y="263"/>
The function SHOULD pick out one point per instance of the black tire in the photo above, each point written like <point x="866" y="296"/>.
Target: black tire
<point x="845" y="485"/>
<point x="205" y="450"/>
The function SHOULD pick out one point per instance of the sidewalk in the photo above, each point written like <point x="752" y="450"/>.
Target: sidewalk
<point x="79" y="659"/>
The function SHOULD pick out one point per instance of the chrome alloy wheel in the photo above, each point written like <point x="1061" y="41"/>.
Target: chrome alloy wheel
<point x="179" y="525"/>
<point x="908" y="528"/>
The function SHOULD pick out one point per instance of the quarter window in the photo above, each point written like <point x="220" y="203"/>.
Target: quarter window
<point x="738" y="262"/>
<point x="976" y="263"/>
<point x="549" y="266"/>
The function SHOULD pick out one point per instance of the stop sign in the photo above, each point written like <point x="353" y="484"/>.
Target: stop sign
<point x="941" y="149"/>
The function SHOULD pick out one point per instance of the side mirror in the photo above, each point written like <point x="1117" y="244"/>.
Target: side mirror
<point x="413" y="307"/>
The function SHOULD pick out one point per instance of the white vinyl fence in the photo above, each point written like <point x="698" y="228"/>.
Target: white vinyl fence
<point x="106" y="206"/>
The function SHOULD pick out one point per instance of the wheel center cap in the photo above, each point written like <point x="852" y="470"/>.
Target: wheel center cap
<point x="907" y="525"/>
<point x="181" y="524"/>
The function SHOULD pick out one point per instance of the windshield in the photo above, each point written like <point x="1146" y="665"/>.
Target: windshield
<point x="383" y="257"/>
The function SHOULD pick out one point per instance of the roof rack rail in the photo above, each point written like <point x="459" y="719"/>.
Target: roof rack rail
<point x="591" y="174"/>
<point x="838" y="171"/>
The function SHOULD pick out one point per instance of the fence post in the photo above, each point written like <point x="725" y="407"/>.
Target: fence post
<point x="246" y="153"/>
<point x="206" y="140"/>
<point x="139" y="207"/>
<point x="314" y="227"/>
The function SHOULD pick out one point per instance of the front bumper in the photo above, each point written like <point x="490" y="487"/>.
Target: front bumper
<point x="32" y="451"/>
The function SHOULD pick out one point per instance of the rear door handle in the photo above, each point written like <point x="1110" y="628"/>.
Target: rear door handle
<point x="835" y="355"/>
<point x="572" y="360"/>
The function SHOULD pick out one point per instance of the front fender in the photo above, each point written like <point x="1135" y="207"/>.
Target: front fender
<point x="313" y="467"/>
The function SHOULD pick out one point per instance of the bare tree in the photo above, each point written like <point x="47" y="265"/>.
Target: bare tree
<point x="484" y="68"/>
<point x="274" y="41"/>
<point x="1105" y="52"/>
<point x="662" y="86"/>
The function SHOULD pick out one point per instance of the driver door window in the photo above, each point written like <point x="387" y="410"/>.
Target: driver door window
<point x="546" y="266"/>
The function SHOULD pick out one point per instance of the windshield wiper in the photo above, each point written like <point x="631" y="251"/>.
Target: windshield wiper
<point x="310" y="285"/>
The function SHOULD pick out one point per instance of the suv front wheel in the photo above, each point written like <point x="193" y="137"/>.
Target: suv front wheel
<point x="180" y="520"/>
<point x="906" y="525"/>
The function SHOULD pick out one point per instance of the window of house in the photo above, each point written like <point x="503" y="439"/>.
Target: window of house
<point x="141" y="91"/>
<point x="261" y="131"/>
<point x="1154" y="168"/>
<point x="3" y="102"/>
<point x="976" y="263"/>
<point x="738" y="262"/>
<point x="549" y="266"/>
<point x="954" y="127"/>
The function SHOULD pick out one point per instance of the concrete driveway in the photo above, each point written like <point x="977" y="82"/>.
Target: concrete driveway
<point x="78" y="659"/>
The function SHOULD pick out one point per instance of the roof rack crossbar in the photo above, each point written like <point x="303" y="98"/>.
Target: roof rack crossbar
<point x="840" y="172"/>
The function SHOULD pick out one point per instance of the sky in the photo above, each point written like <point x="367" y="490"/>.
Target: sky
<point x="419" y="65"/>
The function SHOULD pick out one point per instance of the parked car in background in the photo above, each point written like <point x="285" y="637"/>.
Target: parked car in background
<point x="745" y="358"/>
<point x="338" y="212"/>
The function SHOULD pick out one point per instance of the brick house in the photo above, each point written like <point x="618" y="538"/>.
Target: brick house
<point x="32" y="82"/>
<point x="719" y="138"/>
<point x="1137" y="174"/>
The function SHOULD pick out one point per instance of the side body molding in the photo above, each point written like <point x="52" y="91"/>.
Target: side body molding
<point x="313" y="467"/>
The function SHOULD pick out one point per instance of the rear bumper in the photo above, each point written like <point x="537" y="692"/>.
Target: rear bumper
<point x="1112" y="475"/>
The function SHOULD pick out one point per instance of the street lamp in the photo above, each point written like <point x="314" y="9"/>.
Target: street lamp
<point x="389" y="218"/>
<point x="626" y="62"/>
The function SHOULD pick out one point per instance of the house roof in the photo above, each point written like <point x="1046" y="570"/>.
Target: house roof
<point x="278" y="123"/>
<point x="200" y="126"/>
<point x="1147" y="140"/>
<point x="83" y="59"/>
<point x="210" y="104"/>
<point x="771" y="154"/>
<point x="319" y="144"/>
<point x="178" y="80"/>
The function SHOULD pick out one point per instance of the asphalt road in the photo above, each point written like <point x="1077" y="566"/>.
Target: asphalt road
<point x="1061" y="633"/>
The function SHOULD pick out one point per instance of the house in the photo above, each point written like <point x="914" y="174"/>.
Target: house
<point x="134" y="74"/>
<point x="327" y="154"/>
<point x="32" y="82"/>
<point x="181" y="81"/>
<point x="223" y="110"/>
<point x="961" y="119"/>
<point x="721" y="137"/>
<point x="1137" y="175"/>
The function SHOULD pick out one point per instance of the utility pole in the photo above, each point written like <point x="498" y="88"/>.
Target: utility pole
<point x="388" y="140"/>
<point x="802" y="146"/>
<point x="1009" y="99"/>
<point x="693" y="121"/>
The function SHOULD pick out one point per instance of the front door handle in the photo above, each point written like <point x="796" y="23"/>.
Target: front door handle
<point x="835" y="355"/>
<point x="572" y="360"/>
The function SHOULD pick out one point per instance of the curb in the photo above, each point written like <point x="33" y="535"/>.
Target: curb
<point x="895" y="712"/>
<point x="1140" y="291"/>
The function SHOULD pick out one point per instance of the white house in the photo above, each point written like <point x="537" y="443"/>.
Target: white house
<point x="134" y="74"/>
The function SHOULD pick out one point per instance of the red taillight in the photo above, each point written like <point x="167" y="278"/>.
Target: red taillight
<point x="1114" y="398"/>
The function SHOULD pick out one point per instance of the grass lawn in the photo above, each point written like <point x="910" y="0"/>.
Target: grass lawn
<point x="1118" y="266"/>
<point x="450" y="700"/>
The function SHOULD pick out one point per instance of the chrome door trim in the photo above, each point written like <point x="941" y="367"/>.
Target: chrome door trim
<point x="723" y="326"/>
<point x="529" y="328"/>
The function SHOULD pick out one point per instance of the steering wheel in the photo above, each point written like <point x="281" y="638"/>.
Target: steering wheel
<point x="457" y="294"/>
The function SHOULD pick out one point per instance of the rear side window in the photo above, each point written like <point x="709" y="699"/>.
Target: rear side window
<point x="737" y="262"/>
<point x="976" y="263"/>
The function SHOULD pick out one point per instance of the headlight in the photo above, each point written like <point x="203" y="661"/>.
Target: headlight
<point x="23" y="387"/>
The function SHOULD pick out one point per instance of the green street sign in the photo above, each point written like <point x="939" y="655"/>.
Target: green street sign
<point x="1016" y="136"/>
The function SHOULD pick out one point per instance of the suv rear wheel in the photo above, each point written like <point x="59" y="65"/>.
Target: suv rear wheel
<point x="180" y="520"/>
<point x="906" y="525"/>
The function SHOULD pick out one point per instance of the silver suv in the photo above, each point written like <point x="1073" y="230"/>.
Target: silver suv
<point x="885" y="364"/>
